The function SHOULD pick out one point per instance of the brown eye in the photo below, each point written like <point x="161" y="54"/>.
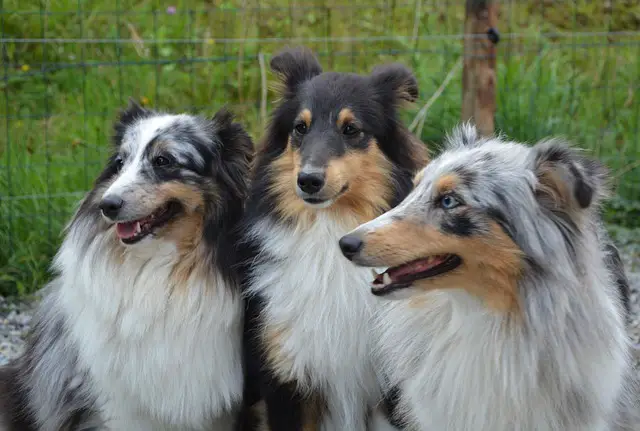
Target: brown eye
<point x="119" y="163"/>
<point x="350" y="130"/>
<point x="161" y="161"/>
<point x="301" y="128"/>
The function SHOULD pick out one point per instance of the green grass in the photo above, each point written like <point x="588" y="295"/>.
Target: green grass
<point x="59" y="99"/>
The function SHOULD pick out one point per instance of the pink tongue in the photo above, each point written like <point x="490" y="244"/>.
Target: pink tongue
<point x="126" y="230"/>
<point x="418" y="266"/>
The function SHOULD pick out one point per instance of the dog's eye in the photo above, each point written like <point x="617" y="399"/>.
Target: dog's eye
<point x="119" y="164"/>
<point x="161" y="161"/>
<point x="350" y="130"/>
<point x="448" y="202"/>
<point x="301" y="128"/>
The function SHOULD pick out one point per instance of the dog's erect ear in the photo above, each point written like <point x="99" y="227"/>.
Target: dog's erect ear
<point x="295" y="66"/>
<point x="237" y="153"/>
<point x="567" y="180"/>
<point x="397" y="80"/>
<point x="133" y="112"/>
<point x="127" y="117"/>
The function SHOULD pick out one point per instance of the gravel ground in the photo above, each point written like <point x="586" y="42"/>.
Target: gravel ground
<point x="15" y="316"/>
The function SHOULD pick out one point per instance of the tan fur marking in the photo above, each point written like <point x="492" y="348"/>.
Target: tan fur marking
<point x="313" y="410"/>
<point x="367" y="174"/>
<point x="185" y="231"/>
<point x="305" y="115"/>
<point x="447" y="183"/>
<point x="284" y="171"/>
<point x="419" y="176"/>
<point x="260" y="412"/>
<point x="188" y="195"/>
<point x="273" y="340"/>
<point x="491" y="265"/>
<point x="310" y="425"/>
<point x="281" y="364"/>
<point x="553" y="187"/>
<point x="345" y="117"/>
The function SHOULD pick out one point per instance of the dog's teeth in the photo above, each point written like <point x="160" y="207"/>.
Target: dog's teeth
<point x="374" y="273"/>
<point x="138" y="228"/>
<point x="386" y="278"/>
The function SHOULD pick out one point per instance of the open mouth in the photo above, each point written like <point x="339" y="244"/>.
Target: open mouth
<point x="133" y="231"/>
<point x="402" y="276"/>
<point x="325" y="202"/>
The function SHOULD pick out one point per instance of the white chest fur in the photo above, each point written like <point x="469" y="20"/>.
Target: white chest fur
<point x="161" y="356"/>
<point x="462" y="369"/>
<point x="320" y="303"/>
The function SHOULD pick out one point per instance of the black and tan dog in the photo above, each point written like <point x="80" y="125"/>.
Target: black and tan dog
<point x="335" y="155"/>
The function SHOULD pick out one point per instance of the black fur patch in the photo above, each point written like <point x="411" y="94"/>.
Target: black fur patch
<point x="501" y="219"/>
<point x="230" y="170"/>
<point x="395" y="82"/>
<point x="390" y="402"/>
<point x="128" y="116"/>
<point x="295" y="66"/>
<point x="460" y="225"/>
<point x="582" y="191"/>
<point x="14" y="408"/>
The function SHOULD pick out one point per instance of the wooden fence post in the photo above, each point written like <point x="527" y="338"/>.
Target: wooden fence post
<point x="479" y="72"/>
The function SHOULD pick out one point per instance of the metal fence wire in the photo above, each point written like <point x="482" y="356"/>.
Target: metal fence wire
<point x="564" y="67"/>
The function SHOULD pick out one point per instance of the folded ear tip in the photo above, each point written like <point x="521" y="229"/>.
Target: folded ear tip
<point x="295" y="65"/>
<point x="400" y="78"/>
<point x="587" y="177"/>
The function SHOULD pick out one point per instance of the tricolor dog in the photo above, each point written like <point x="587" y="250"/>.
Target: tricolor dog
<point x="335" y="155"/>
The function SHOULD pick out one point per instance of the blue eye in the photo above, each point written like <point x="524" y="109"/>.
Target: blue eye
<point x="448" y="202"/>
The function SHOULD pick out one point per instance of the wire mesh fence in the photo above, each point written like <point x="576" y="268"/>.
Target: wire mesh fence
<point x="564" y="67"/>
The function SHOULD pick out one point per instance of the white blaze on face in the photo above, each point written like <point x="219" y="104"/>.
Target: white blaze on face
<point x="133" y="147"/>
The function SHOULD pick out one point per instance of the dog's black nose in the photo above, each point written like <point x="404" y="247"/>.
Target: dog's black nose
<point x="350" y="245"/>
<point x="310" y="182"/>
<point x="111" y="205"/>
